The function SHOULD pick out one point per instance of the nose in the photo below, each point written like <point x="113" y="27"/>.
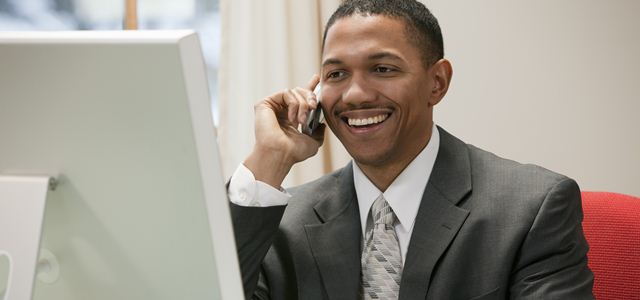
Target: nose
<point x="358" y="92"/>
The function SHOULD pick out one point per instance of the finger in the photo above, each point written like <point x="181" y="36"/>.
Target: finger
<point x="282" y="106"/>
<point x="296" y="105"/>
<point x="315" y="79"/>
<point x="311" y="98"/>
<point x="277" y="103"/>
<point x="274" y="103"/>
<point x="303" y="103"/>
<point x="292" y="106"/>
<point x="265" y="119"/>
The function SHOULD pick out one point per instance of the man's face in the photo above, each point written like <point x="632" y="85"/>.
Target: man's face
<point x="376" y="90"/>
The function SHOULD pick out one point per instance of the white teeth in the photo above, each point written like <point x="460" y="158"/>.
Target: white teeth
<point x="367" y="121"/>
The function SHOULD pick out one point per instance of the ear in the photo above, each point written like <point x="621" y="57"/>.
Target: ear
<point x="441" y="72"/>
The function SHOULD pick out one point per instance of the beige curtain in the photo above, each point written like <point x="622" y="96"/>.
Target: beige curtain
<point x="268" y="46"/>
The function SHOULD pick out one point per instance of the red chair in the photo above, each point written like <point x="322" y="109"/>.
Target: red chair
<point x="612" y="227"/>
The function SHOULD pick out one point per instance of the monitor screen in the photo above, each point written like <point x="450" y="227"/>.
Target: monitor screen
<point x="122" y="120"/>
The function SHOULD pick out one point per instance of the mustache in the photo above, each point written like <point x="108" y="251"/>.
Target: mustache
<point x="363" y="106"/>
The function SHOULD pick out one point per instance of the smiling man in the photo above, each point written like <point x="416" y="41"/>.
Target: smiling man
<point x="418" y="214"/>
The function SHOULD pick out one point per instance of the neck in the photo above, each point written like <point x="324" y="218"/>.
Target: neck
<point x="383" y="175"/>
<point x="382" y="178"/>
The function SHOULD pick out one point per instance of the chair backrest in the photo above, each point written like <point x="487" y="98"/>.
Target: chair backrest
<point x="612" y="227"/>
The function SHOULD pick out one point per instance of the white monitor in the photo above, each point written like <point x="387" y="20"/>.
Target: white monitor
<point x="123" y="121"/>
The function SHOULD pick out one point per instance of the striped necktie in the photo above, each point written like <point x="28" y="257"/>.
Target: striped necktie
<point x="381" y="258"/>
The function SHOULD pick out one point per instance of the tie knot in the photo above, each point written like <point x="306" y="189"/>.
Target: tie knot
<point x="381" y="212"/>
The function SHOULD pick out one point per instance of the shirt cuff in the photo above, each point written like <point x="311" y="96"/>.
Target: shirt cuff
<point x="245" y="190"/>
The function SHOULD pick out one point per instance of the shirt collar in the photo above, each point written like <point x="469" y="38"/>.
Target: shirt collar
<point x="405" y="192"/>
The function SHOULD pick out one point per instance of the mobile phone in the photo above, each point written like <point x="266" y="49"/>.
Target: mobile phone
<point x="316" y="117"/>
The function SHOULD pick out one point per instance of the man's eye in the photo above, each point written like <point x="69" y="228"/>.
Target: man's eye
<point x="382" y="69"/>
<point x="335" y="74"/>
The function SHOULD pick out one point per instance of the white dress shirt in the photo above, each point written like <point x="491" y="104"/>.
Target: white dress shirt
<point x="245" y="190"/>
<point x="403" y="195"/>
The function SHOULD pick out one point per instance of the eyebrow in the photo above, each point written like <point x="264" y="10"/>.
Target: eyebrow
<point x="375" y="56"/>
<point x="385" y="54"/>
<point x="331" y="61"/>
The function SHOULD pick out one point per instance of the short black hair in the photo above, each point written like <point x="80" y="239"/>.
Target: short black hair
<point x="422" y="26"/>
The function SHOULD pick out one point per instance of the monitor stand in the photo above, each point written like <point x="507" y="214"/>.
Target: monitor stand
<point x="22" y="206"/>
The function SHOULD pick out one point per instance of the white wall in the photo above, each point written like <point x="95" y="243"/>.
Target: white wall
<point x="555" y="83"/>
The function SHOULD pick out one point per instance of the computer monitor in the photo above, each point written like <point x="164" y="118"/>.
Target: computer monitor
<point x="122" y="120"/>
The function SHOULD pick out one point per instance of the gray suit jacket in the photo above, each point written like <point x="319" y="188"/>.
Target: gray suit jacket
<point x="487" y="228"/>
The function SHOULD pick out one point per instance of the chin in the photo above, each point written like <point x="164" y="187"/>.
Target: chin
<point x="374" y="159"/>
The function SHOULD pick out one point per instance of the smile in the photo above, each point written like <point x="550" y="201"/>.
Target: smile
<point x="359" y="122"/>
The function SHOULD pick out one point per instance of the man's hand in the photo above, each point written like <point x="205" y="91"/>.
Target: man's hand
<point x="279" y="144"/>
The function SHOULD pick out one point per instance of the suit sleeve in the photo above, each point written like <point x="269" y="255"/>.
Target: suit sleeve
<point x="552" y="263"/>
<point x="254" y="229"/>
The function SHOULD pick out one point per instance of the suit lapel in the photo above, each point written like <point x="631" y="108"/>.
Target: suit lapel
<point x="335" y="242"/>
<point x="438" y="219"/>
